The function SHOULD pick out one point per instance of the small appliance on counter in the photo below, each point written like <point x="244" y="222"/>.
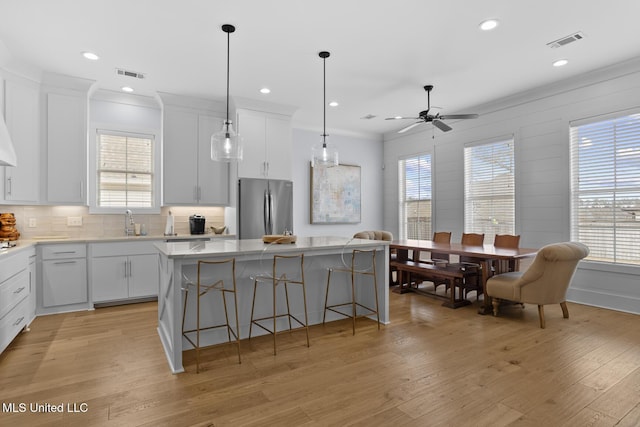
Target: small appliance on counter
<point x="196" y="224"/>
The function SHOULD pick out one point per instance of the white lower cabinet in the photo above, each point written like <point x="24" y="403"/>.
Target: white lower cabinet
<point x="123" y="271"/>
<point x="16" y="298"/>
<point x="64" y="277"/>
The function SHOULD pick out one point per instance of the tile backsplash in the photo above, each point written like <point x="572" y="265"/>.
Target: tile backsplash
<point x="52" y="221"/>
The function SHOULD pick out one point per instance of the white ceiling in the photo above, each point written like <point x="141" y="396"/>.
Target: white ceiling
<point x="382" y="52"/>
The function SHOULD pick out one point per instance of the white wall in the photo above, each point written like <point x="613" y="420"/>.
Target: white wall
<point x="367" y="153"/>
<point x="539" y="121"/>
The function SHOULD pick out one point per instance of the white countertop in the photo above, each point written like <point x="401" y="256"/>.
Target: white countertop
<point x="22" y="244"/>
<point x="233" y="247"/>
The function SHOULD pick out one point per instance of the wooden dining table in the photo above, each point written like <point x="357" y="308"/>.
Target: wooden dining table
<point x="482" y="255"/>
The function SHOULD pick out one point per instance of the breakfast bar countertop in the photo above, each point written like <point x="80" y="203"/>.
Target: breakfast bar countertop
<point x="249" y="247"/>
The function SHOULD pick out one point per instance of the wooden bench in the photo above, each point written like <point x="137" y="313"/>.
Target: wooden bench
<point x="453" y="276"/>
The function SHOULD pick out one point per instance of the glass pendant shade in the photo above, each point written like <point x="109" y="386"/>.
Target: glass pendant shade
<point x="324" y="155"/>
<point x="226" y="145"/>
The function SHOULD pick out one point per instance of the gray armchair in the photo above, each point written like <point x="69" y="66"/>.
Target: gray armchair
<point x="544" y="282"/>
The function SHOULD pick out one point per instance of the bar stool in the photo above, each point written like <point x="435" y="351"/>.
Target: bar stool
<point x="287" y="271"/>
<point x="212" y="276"/>
<point x="357" y="256"/>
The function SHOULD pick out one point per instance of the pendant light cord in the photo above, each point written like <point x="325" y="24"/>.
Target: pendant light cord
<point x="324" y="55"/>
<point x="228" y="49"/>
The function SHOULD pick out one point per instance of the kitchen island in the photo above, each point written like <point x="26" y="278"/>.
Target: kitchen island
<point x="178" y="261"/>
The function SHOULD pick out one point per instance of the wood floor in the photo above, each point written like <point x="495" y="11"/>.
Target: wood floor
<point x="431" y="366"/>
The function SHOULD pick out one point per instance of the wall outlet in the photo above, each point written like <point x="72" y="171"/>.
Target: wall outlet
<point x="74" y="221"/>
<point x="32" y="223"/>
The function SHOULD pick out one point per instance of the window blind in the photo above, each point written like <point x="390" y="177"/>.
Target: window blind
<point x="489" y="196"/>
<point x="125" y="170"/>
<point x="415" y="197"/>
<point x="605" y="188"/>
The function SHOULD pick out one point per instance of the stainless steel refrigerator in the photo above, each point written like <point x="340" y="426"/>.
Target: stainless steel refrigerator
<point x="265" y="206"/>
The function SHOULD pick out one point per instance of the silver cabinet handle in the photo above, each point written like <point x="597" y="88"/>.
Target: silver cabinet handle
<point x="17" y="291"/>
<point x="9" y="186"/>
<point x="18" y="321"/>
<point x="64" y="252"/>
<point x="130" y="269"/>
<point x="64" y="262"/>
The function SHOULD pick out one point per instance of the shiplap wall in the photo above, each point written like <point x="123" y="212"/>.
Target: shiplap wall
<point x="539" y="122"/>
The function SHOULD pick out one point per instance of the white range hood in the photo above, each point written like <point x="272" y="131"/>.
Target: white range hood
<point x="7" y="152"/>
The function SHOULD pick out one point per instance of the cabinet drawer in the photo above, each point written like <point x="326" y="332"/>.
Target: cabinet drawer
<point x="77" y="250"/>
<point x="123" y="248"/>
<point x="12" y="323"/>
<point x="11" y="264"/>
<point x="13" y="291"/>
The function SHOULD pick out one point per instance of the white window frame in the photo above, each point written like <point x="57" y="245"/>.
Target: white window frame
<point x="93" y="169"/>
<point x="612" y="232"/>
<point x="403" y="207"/>
<point x="492" y="217"/>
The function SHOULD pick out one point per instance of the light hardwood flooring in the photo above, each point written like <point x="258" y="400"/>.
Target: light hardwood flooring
<point x="430" y="366"/>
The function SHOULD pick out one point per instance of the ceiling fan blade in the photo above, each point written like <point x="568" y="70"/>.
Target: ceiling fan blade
<point x="402" y="118"/>
<point x="409" y="127"/>
<point x="459" y="116"/>
<point x="441" y="126"/>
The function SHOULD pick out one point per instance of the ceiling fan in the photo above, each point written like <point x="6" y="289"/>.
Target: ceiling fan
<point x="436" y="119"/>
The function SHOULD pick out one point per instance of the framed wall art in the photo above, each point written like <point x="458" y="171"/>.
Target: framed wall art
<point x="335" y="194"/>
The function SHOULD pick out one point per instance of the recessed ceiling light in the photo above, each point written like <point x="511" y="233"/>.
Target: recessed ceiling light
<point x="489" y="24"/>
<point x="90" y="55"/>
<point x="560" y="63"/>
<point x="127" y="89"/>
<point x="333" y="104"/>
<point x="265" y="90"/>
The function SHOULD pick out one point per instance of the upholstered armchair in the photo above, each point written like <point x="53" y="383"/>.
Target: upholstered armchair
<point x="374" y="235"/>
<point x="544" y="282"/>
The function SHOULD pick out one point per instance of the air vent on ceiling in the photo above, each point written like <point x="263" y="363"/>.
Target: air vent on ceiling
<point x="566" y="40"/>
<point x="128" y="73"/>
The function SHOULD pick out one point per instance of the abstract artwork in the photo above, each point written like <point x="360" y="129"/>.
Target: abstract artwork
<point x="335" y="194"/>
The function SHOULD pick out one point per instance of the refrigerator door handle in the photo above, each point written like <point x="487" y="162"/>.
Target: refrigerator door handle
<point x="265" y="212"/>
<point x="271" y="213"/>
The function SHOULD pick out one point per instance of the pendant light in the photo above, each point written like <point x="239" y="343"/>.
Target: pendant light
<point x="324" y="155"/>
<point x="226" y="145"/>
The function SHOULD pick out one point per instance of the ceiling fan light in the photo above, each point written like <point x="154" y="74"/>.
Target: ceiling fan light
<point x="488" y="24"/>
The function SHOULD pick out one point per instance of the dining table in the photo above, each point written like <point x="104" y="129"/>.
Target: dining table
<point x="410" y="250"/>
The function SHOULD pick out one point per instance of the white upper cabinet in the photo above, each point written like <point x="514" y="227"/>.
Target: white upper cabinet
<point x="22" y="115"/>
<point x="66" y="133"/>
<point x="190" y="176"/>
<point x="267" y="144"/>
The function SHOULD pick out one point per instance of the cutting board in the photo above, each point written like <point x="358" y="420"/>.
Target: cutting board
<point x="278" y="238"/>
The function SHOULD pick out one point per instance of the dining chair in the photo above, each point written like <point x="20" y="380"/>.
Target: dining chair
<point x="472" y="282"/>
<point x="507" y="241"/>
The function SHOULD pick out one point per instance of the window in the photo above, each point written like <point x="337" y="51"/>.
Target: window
<point x="605" y="188"/>
<point x="415" y="197"/>
<point x="489" y="183"/>
<point x="125" y="171"/>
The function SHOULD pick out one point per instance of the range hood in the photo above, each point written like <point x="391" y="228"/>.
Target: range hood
<point x="7" y="152"/>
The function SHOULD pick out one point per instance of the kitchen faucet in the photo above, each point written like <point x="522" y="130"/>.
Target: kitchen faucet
<point x="128" y="223"/>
